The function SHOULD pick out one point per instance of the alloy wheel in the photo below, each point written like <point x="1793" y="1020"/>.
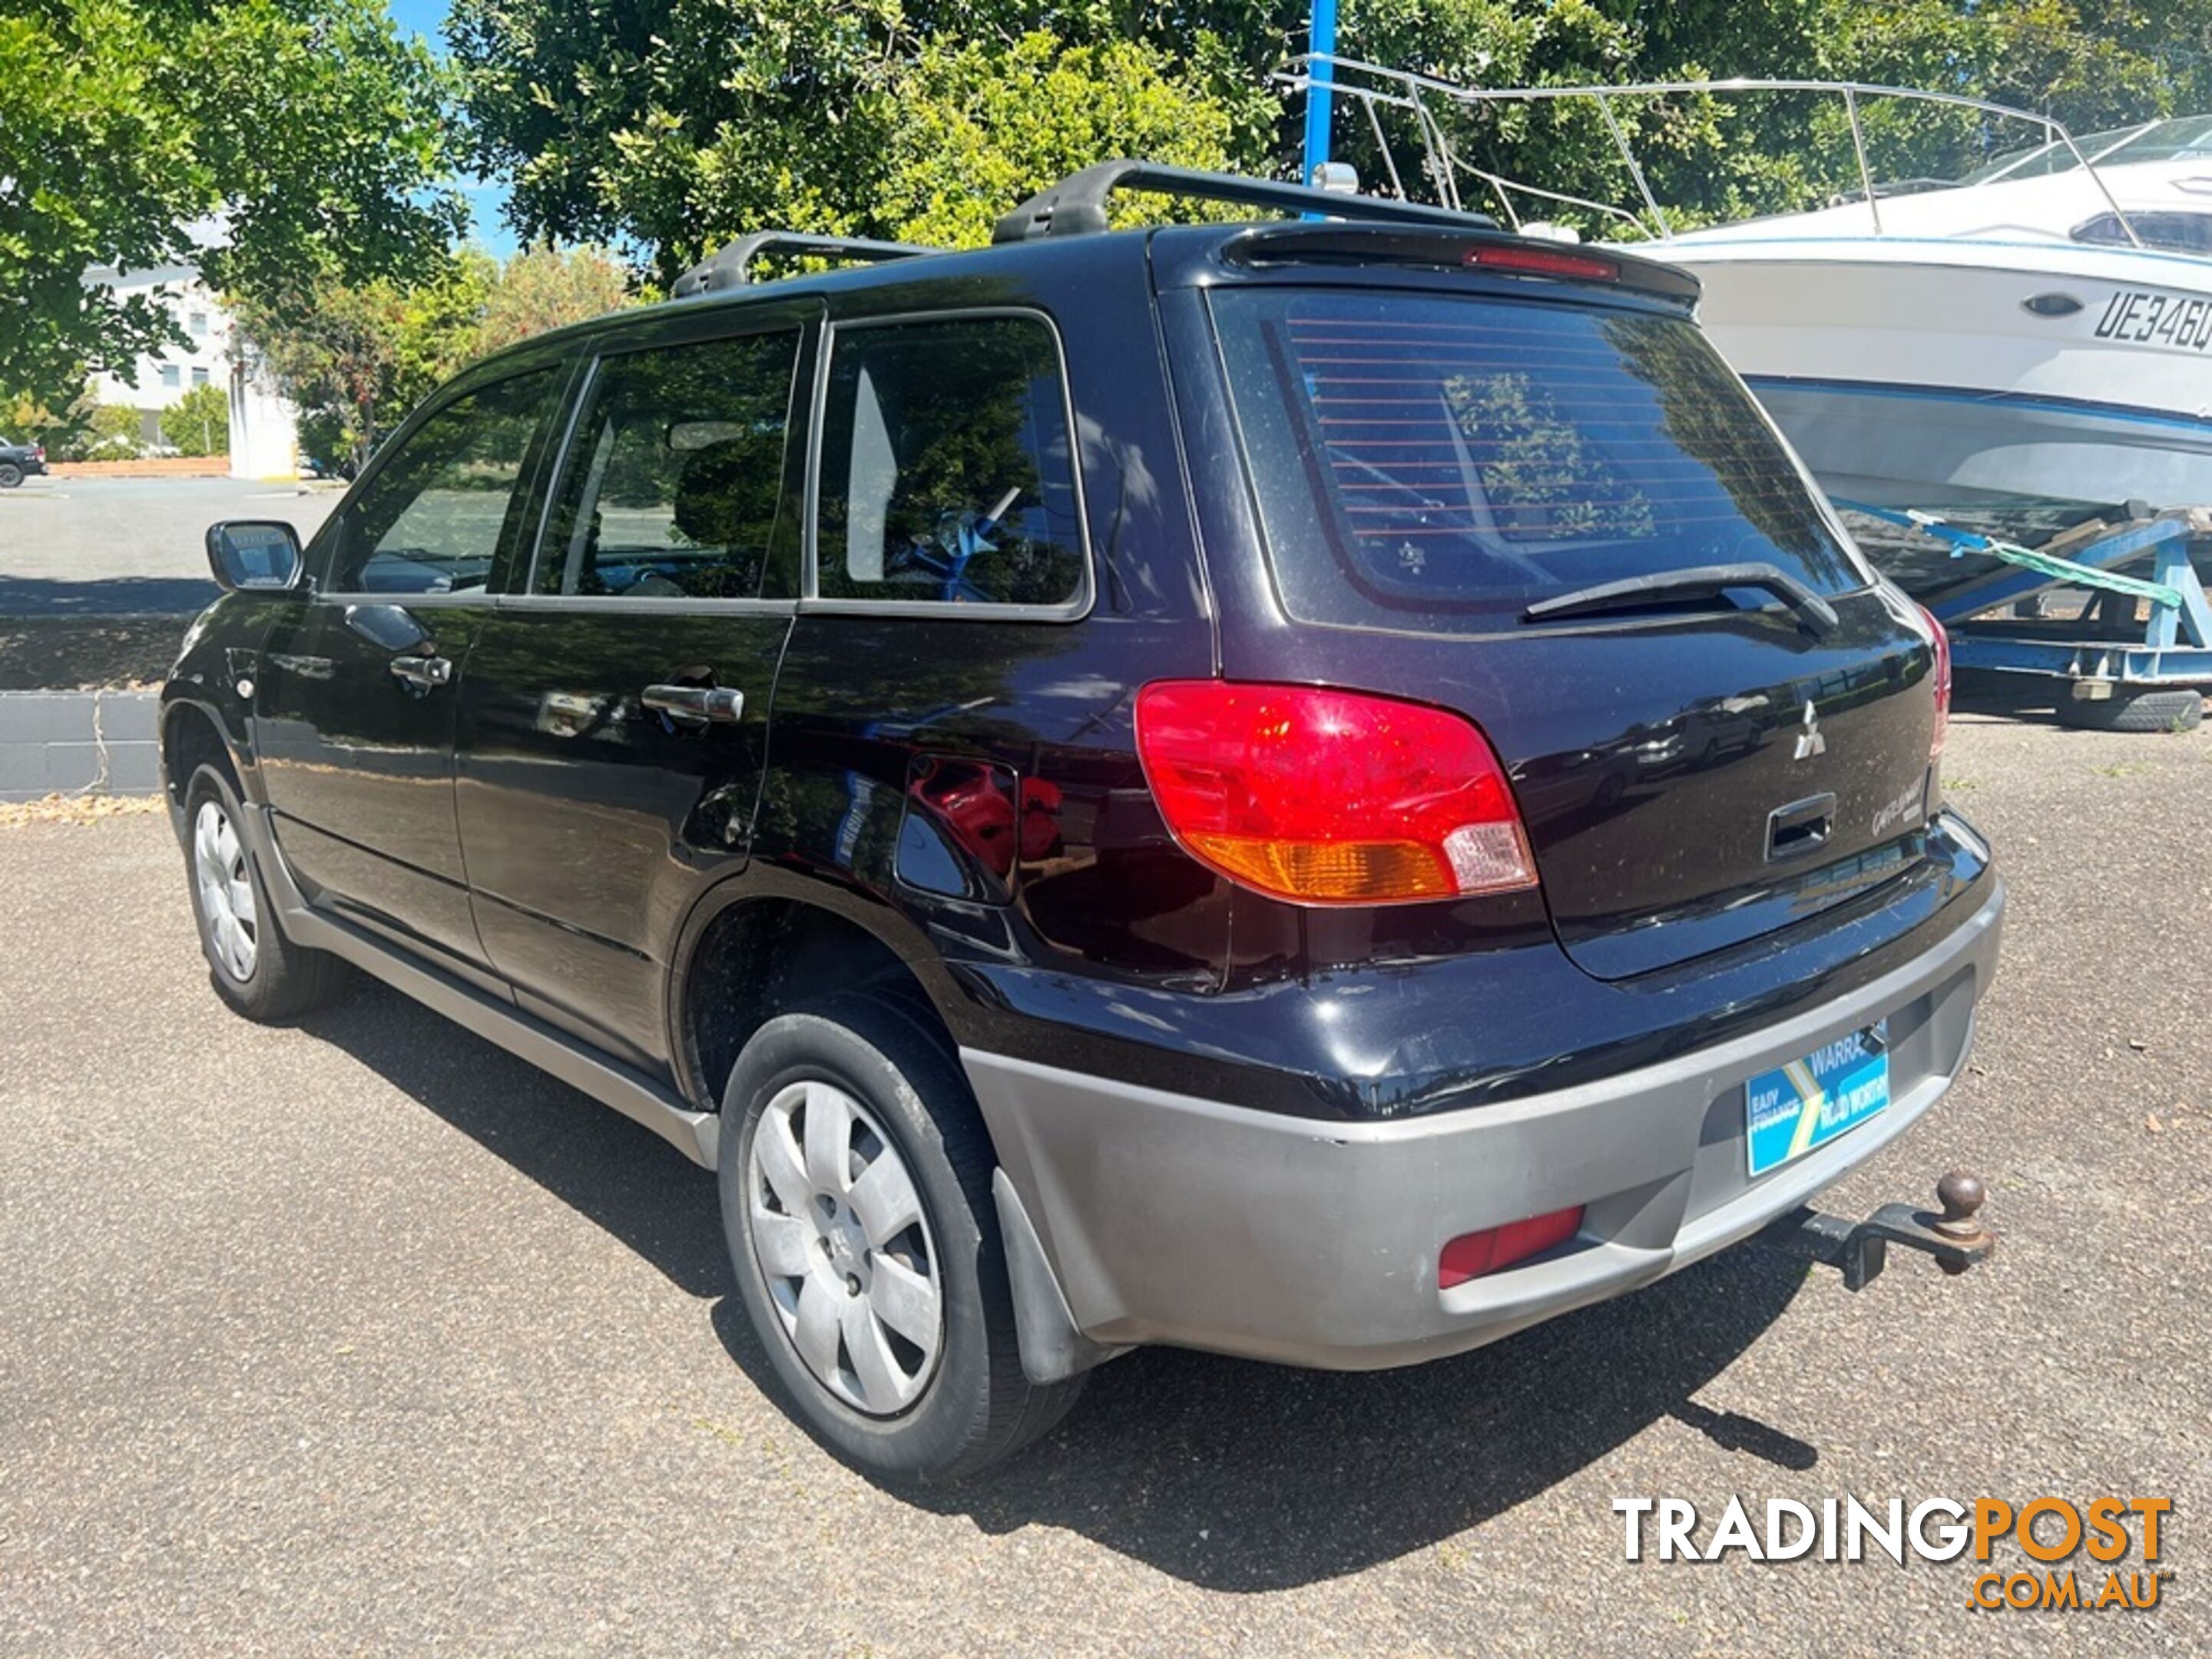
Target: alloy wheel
<point x="838" y="1229"/>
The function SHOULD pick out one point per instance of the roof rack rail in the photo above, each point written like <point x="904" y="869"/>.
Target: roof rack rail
<point x="1076" y="206"/>
<point x="727" y="266"/>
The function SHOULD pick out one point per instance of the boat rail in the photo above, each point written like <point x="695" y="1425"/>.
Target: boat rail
<point x="1375" y="85"/>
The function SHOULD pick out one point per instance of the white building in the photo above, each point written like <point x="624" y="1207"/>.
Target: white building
<point x="263" y="425"/>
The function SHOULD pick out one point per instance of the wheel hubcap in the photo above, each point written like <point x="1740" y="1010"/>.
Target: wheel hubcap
<point x="850" y="1266"/>
<point x="226" y="889"/>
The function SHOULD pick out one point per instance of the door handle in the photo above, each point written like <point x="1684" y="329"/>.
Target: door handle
<point x="696" y="705"/>
<point x="419" y="674"/>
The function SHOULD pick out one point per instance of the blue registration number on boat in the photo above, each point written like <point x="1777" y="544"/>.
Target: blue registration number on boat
<point x="1809" y="1102"/>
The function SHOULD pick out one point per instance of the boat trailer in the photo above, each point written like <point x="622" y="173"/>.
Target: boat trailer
<point x="2137" y="654"/>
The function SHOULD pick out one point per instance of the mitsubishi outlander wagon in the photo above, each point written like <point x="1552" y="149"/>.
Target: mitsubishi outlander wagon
<point x="1322" y="789"/>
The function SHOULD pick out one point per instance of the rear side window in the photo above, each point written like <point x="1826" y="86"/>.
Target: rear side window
<point x="948" y="475"/>
<point x="1443" y="463"/>
<point x="675" y="476"/>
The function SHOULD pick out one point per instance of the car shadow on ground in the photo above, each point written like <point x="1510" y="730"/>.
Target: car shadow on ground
<point x="1227" y="1474"/>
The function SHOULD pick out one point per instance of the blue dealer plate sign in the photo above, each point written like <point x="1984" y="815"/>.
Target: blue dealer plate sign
<point x="1810" y="1101"/>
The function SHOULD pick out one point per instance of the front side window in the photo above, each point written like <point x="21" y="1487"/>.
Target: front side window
<point x="675" y="478"/>
<point x="1442" y="463"/>
<point x="948" y="475"/>
<point x="433" y="519"/>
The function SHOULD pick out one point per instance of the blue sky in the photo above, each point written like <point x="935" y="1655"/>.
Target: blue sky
<point x="428" y="18"/>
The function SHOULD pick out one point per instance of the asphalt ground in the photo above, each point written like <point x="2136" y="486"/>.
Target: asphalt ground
<point x="361" y="1336"/>
<point x="130" y="546"/>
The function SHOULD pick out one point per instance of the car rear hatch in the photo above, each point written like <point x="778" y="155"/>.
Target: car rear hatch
<point x="1546" y="503"/>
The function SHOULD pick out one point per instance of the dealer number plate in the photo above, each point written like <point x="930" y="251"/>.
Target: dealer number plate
<point x="1810" y="1101"/>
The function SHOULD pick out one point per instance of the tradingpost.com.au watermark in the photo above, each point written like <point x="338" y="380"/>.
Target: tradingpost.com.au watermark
<point x="2102" y="1554"/>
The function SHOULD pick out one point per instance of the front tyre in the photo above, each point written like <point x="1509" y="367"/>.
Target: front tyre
<point x="254" y="968"/>
<point x="856" y="1179"/>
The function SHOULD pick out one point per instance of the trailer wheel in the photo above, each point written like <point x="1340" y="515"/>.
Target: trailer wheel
<point x="2140" y="711"/>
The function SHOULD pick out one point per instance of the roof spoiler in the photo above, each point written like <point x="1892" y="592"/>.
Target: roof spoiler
<point x="1076" y="206"/>
<point x="1499" y="252"/>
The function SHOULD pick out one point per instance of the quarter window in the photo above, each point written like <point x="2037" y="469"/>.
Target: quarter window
<point x="947" y="472"/>
<point x="433" y="518"/>
<point x="675" y="479"/>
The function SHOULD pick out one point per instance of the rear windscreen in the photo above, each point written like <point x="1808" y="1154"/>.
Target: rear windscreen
<point x="1443" y="463"/>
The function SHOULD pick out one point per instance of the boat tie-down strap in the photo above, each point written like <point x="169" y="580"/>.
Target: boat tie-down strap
<point x="2049" y="564"/>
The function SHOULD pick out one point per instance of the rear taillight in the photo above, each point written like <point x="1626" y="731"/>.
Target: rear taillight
<point x="38" y="452"/>
<point x="1472" y="1254"/>
<point x="1330" y="797"/>
<point x="1544" y="262"/>
<point x="1943" y="684"/>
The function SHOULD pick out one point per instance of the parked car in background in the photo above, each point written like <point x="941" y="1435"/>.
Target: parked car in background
<point x="19" y="462"/>
<point x="1098" y="782"/>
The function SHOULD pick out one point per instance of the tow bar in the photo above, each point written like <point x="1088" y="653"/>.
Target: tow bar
<point x="1956" y="1239"/>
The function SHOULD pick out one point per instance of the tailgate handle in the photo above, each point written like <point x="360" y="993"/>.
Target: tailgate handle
<point x="1800" y="828"/>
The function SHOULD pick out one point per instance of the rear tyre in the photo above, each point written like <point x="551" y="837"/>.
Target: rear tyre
<point x="855" y="1178"/>
<point x="2142" y="711"/>
<point x="254" y="968"/>
<point x="10" y="475"/>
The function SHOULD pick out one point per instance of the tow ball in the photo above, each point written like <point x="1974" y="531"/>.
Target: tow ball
<point x="1955" y="1237"/>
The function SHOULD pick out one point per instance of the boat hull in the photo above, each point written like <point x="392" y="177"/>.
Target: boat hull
<point x="1973" y="377"/>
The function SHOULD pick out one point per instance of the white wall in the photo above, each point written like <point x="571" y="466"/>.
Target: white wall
<point x="263" y="425"/>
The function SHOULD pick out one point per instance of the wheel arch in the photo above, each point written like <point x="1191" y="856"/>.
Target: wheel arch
<point x="766" y="942"/>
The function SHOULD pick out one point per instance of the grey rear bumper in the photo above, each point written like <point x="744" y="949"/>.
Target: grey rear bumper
<point x="1163" y="1217"/>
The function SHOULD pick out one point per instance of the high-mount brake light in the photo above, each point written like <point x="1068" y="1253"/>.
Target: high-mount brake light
<point x="1543" y="262"/>
<point x="1329" y="797"/>
<point x="1943" y="684"/>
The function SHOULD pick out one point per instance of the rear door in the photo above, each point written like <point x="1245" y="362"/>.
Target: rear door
<point x="614" y="718"/>
<point x="1429" y="467"/>
<point x="355" y="698"/>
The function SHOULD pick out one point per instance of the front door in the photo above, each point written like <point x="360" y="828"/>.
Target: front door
<point x="614" y="717"/>
<point x="356" y="697"/>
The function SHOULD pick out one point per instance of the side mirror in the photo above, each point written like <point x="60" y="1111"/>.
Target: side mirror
<point x="258" y="553"/>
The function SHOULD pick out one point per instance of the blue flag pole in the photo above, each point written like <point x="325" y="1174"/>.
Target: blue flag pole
<point x="1320" y="41"/>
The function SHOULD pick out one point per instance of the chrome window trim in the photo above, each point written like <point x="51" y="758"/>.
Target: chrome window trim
<point x="645" y="605"/>
<point x="811" y="602"/>
<point x="430" y="601"/>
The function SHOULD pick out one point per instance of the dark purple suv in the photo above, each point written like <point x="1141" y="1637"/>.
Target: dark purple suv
<point x="1322" y="789"/>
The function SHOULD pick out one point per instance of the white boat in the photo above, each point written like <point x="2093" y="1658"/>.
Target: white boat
<point x="2018" y="350"/>
<point x="1993" y="345"/>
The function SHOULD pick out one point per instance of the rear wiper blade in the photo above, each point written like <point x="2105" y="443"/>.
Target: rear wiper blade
<point x="1698" y="581"/>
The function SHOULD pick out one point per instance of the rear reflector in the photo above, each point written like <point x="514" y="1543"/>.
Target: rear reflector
<point x="1472" y="1254"/>
<point x="1943" y="684"/>
<point x="1544" y="262"/>
<point x="1330" y="797"/>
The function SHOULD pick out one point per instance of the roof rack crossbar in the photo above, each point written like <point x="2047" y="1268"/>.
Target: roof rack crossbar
<point x="728" y="266"/>
<point x="1076" y="206"/>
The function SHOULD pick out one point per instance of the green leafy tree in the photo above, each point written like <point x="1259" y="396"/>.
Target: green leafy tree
<point x="198" y="423"/>
<point x="677" y="124"/>
<point x="309" y="130"/>
<point x="544" y="288"/>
